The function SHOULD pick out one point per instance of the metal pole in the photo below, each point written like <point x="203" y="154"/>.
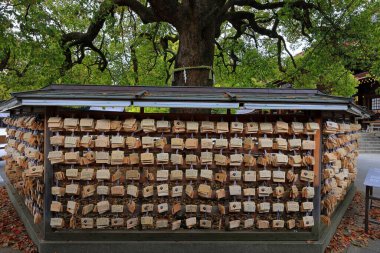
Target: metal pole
<point x="367" y="191"/>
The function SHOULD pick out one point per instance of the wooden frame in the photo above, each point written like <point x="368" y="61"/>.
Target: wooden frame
<point x="98" y="240"/>
<point x="48" y="112"/>
<point x="188" y="235"/>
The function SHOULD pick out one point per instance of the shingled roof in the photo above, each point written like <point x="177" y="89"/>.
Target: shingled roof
<point x="181" y="97"/>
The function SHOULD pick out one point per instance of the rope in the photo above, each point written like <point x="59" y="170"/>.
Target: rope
<point x="211" y="74"/>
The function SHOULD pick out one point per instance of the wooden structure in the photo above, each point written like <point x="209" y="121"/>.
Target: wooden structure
<point x="372" y="180"/>
<point x="264" y="105"/>
<point x="368" y="97"/>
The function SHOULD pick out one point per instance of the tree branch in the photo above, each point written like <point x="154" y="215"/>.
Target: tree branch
<point x="288" y="52"/>
<point x="279" y="60"/>
<point x="146" y="14"/>
<point x="27" y="11"/>
<point x="221" y="55"/>
<point x="266" y="6"/>
<point x="239" y="21"/>
<point x="299" y="4"/>
<point x="166" y="10"/>
<point x="76" y="38"/>
<point x="4" y="61"/>
<point x="253" y="36"/>
<point x="239" y="18"/>
<point x="102" y="63"/>
<point x="4" y="64"/>
<point x="85" y="39"/>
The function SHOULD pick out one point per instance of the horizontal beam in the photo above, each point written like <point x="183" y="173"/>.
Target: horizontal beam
<point x="184" y="96"/>
<point x="295" y="106"/>
<point x="357" y="111"/>
<point x="183" y="102"/>
<point x="283" y="246"/>
<point x="181" y="89"/>
<point x="186" y="104"/>
<point x="107" y="108"/>
<point x="374" y="198"/>
<point x="374" y="221"/>
<point x="74" y="102"/>
<point x="9" y="105"/>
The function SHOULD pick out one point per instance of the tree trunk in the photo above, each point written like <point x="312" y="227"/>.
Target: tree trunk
<point x="196" y="49"/>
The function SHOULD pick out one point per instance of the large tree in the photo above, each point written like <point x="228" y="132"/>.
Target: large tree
<point x="198" y="23"/>
<point x="119" y="41"/>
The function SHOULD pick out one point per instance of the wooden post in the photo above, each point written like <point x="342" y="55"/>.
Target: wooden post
<point x="317" y="168"/>
<point x="49" y="112"/>
<point x="318" y="154"/>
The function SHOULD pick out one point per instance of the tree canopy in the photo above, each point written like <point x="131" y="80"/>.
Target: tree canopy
<point x="131" y="42"/>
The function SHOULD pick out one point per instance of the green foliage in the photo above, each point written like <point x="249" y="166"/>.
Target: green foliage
<point x="324" y="72"/>
<point x="147" y="109"/>
<point x="344" y="39"/>
<point x="350" y="46"/>
<point x="252" y="70"/>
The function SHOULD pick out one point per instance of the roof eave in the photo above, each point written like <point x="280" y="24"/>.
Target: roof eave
<point x="59" y="95"/>
<point x="10" y="104"/>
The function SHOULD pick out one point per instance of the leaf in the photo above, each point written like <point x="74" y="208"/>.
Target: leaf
<point x="351" y="228"/>
<point x="347" y="232"/>
<point x="13" y="233"/>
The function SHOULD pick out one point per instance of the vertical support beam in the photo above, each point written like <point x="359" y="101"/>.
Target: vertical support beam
<point x="49" y="112"/>
<point x="366" y="212"/>
<point x="318" y="153"/>
<point x="317" y="168"/>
